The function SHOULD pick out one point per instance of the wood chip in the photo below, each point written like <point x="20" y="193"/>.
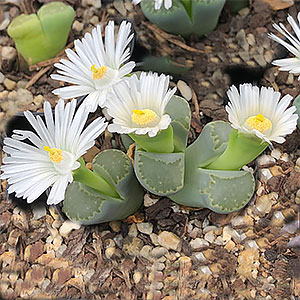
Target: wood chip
<point x="171" y="38"/>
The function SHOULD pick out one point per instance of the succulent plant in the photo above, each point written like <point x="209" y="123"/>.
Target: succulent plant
<point x="41" y="36"/>
<point x="296" y="103"/>
<point x="163" y="173"/>
<point x="196" y="16"/>
<point x="87" y="206"/>
<point x="219" y="190"/>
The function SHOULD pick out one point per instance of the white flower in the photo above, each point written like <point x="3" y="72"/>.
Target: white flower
<point x="138" y="105"/>
<point x="95" y="68"/>
<point x="261" y="113"/>
<point x="51" y="154"/>
<point x="289" y="64"/>
<point x="158" y="3"/>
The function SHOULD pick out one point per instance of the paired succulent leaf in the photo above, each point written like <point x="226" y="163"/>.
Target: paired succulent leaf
<point x="41" y="36"/>
<point x="163" y="173"/>
<point x="220" y="191"/>
<point x="185" y="16"/>
<point x="86" y="206"/>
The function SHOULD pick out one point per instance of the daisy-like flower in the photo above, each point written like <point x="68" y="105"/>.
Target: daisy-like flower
<point x="158" y="3"/>
<point x="94" y="68"/>
<point x="259" y="111"/>
<point x="138" y="105"/>
<point x="51" y="154"/>
<point x="289" y="64"/>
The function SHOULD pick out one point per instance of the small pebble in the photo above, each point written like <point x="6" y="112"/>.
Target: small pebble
<point x="298" y="162"/>
<point x="148" y="201"/>
<point x="244" y="11"/>
<point x="263" y="204"/>
<point x="38" y="100"/>
<point x="132" y="232"/>
<point x="284" y="157"/>
<point x="22" y="84"/>
<point x="67" y="227"/>
<point x="94" y="20"/>
<point x="276" y="153"/>
<point x="145" y="228"/>
<point x="265" y="160"/>
<point x="145" y="252"/>
<point x="264" y="174"/>
<point x="242" y="221"/>
<point x="38" y="212"/>
<point x="199" y="256"/>
<point x="198" y="243"/>
<point x="115" y="226"/>
<point x="8" y="57"/>
<point x="4" y="24"/>
<point x="169" y="240"/>
<point x="77" y="26"/>
<point x="137" y="276"/>
<point x="133" y="246"/>
<point x="185" y="90"/>
<point x="230" y="246"/>
<point x="158" y="252"/>
<point x="154" y="239"/>
<point x="109" y="252"/>
<point x="241" y="39"/>
<point x="2" y="77"/>
<point x="205" y="270"/>
<point x="9" y="84"/>
<point x="25" y="97"/>
<point x="251" y="39"/>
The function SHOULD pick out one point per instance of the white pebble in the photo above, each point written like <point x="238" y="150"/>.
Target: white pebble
<point x="276" y="153"/>
<point x="185" y="90"/>
<point x="67" y="227"/>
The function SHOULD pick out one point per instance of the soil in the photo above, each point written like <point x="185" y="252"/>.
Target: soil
<point x="243" y="255"/>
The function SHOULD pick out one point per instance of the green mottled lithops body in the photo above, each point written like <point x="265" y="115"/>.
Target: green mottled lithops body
<point x="87" y="206"/>
<point x="220" y="191"/>
<point x="163" y="173"/>
<point x="41" y="36"/>
<point x="185" y="16"/>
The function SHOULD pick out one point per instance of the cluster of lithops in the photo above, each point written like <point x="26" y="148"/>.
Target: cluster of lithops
<point x="143" y="110"/>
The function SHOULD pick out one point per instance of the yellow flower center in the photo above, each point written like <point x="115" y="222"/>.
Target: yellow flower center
<point x="143" y="117"/>
<point x="55" y="154"/>
<point x="98" y="73"/>
<point x="259" y="123"/>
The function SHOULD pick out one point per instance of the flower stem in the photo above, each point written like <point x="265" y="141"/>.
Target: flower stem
<point x="93" y="180"/>
<point x="161" y="143"/>
<point x="241" y="149"/>
<point x="188" y="7"/>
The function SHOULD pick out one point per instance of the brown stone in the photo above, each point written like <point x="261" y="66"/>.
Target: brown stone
<point x="60" y="276"/>
<point x="32" y="252"/>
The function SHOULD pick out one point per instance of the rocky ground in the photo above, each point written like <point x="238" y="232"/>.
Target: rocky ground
<point x="165" y="251"/>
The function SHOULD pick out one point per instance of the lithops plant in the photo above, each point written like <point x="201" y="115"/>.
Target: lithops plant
<point x="159" y="122"/>
<point x="212" y="163"/>
<point x="220" y="191"/>
<point x="196" y="16"/>
<point x="88" y="206"/>
<point x="41" y="36"/>
<point x="163" y="173"/>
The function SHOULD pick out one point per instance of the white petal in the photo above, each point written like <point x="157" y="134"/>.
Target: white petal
<point x="251" y="101"/>
<point x="29" y="169"/>
<point x="292" y="45"/>
<point x="150" y="91"/>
